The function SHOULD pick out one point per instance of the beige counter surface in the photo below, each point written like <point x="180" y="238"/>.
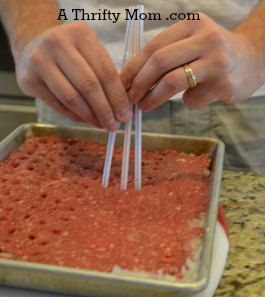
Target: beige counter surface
<point x="243" y="199"/>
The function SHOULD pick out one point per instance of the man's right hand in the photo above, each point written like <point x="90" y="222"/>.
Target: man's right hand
<point x="68" y="68"/>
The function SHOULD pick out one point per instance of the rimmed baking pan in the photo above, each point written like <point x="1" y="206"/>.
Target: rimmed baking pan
<point x="92" y="283"/>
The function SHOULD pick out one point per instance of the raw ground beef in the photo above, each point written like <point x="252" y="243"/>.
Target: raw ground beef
<point x="54" y="211"/>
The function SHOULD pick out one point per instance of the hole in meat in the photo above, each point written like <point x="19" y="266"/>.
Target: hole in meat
<point x="56" y="231"/>
<point x="11" y="230"/>
<point x="43" y="194"/>
<point x="66" y="219"/>
<point x="4" y="179"/>
<point x="31" y="237"/>
<point x="23" y="157"/>
<point x="30" y="168"/>
<point x="15" y="164"/>
<point x="43" y="242"/>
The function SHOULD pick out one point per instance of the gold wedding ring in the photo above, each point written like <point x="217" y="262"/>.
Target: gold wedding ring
<point x="190" y="76"/>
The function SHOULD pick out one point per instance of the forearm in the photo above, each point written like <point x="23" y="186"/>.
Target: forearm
<point x="24" y="20"/>
<point x="253" y="27"/>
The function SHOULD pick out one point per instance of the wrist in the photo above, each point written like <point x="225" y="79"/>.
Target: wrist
<point x="19" y="39"/>
<point x="255" y="50"/>
<point x="255" y="43"/>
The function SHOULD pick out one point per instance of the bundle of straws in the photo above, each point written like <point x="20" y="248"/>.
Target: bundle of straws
<point x="133" y="44"/>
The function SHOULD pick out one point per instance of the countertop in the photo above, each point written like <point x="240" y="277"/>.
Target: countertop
<point x="243" y="199"/>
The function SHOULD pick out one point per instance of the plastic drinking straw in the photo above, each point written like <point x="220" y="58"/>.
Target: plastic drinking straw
<point x="108" y="159"/>
<point x="126" y="154"/>
<point x="112" y="135"/>
<point x="138" y="115"/>
<point x="128" y="126"/>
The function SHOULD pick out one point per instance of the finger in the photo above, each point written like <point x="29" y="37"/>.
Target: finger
<point x="200" y="96"/>
<point x="173" y="33"/>
<point x="64" y="91"/>
<point x="108" y="78"/>
<point x="42" y="92"/>
<point x="85" y="81"/>
<point x="163" y="61"/>
<point x="171" y="84"/>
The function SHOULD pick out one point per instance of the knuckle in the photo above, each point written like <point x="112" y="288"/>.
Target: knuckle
<point x="53" y="39"/>
<point x="82" y="30"/>
<point x="88" y="85"/>
<point x="36" y="58"/>
<point x="102" y="110"/>
<point x="169" y="82"/>
<point x="159" y="60"/>
<point x="184" y="23"/>
<point x="215" y="37"/>
<point x="205" y="21"/>
<point x="27" y="83"/>
<point x="222" y="61"/>
<point x="150" y="49"/>
<point x="107" y="74"/>
<point x="88" y="35"/>
<point x="69" y="98"/>
<point x="104" y="114"/>
<point x="80" y="26"/>
<point x="203" y="16"/>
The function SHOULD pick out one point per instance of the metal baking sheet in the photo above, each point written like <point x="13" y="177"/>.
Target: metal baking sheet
<point x="92" y="283"/>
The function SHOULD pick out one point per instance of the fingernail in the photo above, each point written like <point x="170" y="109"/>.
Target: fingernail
<point x="132" y="95"/>
<point x="124" y="82"/>
<point x="143" y="107"/>
<point x="113" y="125"/>
<point x="125" y="114"/>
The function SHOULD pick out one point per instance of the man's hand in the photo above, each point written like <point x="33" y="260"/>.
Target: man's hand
<point x="65" y="65"/>
<point x="68" y="68"/>
<point x="227" y="65"/>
